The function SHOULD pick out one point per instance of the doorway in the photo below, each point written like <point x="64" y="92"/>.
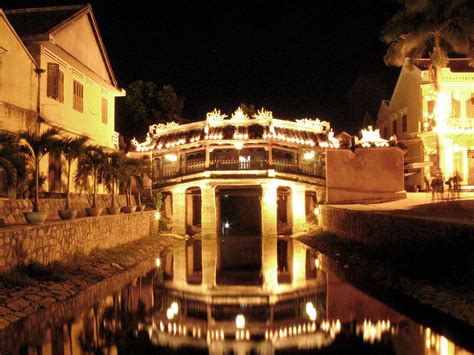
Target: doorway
<point x="240" y="235"/>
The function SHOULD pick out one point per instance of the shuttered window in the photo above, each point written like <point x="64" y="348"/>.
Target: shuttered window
<point x="104" y="110"/>
<point x="78" y="96"/>
<point x="55" y="82"/>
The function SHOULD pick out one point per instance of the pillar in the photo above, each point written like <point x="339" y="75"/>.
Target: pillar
<point x="299" y="209"/>
<point x="179" y="210"/>
<point x="208" y="235"/>
<point x="299" y="264"/>
<point x="179" y="263"/>
<point x="269" y="235"/>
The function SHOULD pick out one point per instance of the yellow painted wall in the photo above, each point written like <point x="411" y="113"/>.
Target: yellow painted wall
<point x="89" y="122"/>
<point x="369" y="174"/>
<point x="18" y="88"/>
<point x="78" y="39"/>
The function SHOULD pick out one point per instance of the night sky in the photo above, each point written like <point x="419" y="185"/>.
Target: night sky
<point x="298" y="59"/>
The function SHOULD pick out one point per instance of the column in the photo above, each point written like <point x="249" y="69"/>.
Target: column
<point x="299" y="209"/>
<point x="179" y="210"/>
<point x="269" y="235"/>
<point x="208" y="235"/>
<point x="299" y="264"/>
<point x="179" y="263"/>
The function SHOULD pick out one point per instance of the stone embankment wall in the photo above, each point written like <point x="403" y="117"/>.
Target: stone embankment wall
<point x="379" y="229"/>
<point x="59" y="240"/>
<point x="11" y="211"/>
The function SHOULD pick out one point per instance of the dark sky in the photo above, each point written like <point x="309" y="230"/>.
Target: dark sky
<point x="298" y="59"/>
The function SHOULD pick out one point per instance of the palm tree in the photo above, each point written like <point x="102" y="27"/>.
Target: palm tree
<point x="91" y="163"/>
<point x="143" y="170"/>
<point x="35" y="147"/>
<point x="72" y="148"/>
<point x="429" y="27"/>
<point x="111" y="175"/>
<point x="129" y="168"/>
<point x="11" y="161"/>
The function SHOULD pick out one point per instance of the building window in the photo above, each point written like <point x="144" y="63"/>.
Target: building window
<point x="104" y="110"/>
<point x="55" y="82"/>
<point x="404" y="123"/>
<point x="469" y="106"/>
<point x="78" y="96"/>
<point x="455" y="108"/>
<point x="394" y="127"/>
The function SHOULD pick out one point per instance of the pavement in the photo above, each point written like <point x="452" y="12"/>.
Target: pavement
<point x="455" y="209"/>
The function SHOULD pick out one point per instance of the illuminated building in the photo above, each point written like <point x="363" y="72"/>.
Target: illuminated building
<point x="436" y="123"/>
<point x="59" y="48"/>
<point x="240" y="185"/>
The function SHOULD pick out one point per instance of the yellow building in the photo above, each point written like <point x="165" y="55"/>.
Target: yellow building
<point x="436" y="124"/>
<point x="77" y="87"/>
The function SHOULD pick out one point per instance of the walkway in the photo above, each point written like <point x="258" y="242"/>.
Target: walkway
<point x="421" y="205"/>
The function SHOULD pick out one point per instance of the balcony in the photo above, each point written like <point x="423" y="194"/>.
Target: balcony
<point x="281" y="166"/>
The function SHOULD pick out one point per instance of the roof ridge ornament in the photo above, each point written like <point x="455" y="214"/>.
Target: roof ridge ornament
<point x="263" y="115"/>
<point x="315" y="124"/>
<point x="158" y="128"/>
<point x="215" y="116"/>
<point x="239" y="115"/>
<point x="371" y="137"/>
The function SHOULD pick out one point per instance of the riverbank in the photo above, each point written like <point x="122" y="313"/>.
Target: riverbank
<point x="24" y="292"/>
<point x="449" y="293"/>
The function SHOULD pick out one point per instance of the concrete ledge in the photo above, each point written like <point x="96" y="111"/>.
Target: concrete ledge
<point x="59" y="240"/>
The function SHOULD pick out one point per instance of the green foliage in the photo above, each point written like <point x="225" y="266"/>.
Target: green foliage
<point x="145" y="105"/>
<point x="158" y="201"/>
<point x="429" y="27"/>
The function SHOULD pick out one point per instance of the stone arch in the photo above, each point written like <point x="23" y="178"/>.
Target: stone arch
<point x="193" y="208"/>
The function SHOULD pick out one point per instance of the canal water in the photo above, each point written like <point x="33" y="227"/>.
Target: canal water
<point x="318" y="313"/>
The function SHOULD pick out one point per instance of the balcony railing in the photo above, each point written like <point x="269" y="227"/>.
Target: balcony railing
<point x="282" y="166"/>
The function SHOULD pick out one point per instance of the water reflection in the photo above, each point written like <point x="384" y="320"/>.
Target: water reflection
<point x="316" y="310"/>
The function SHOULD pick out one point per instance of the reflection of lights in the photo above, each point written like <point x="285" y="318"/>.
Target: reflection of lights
<point x="171" y="157"/>
<point x="308" y="155"/>
<point x="157" y="215"/>
<point x="174" y="307"/>
<point x="240" y="321"/>
<point x="169" y="313"/>
<point x="172" y="310"/>
<point x="311" y="311"/>
<point x="226" y="225"/>
<point x="158" y="262"/>
<point x="372" y="332"/>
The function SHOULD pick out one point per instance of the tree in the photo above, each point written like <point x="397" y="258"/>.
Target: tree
<point x="72" y="148"/>
<point x="431" y="28"/>
<point x="91" y="163"/>
<point x="34" y="147"/>
<point x="142" y="170"/>
<point x="11" y="161"/>
<point x="145" y="105"/>
<point x="111" y="172"/>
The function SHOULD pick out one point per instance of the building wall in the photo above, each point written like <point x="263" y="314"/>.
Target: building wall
<point x="62" y="114"/>
<point x="18" y="81"/>
<point x="78" y="38"/>
<point x="368" y="174"/>
<point x="61" y="239"/>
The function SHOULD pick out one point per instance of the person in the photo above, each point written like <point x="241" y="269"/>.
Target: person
<point x="433" y="185"/>
<point x="457" y="183"/>
<point x="449" y="182"/>
<point x="427" y="183"/>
